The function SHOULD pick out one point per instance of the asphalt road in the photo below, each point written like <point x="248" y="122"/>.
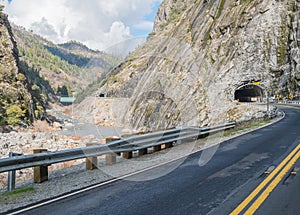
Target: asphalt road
<point x="285" y="198"/>
<point x="217" y="187"/>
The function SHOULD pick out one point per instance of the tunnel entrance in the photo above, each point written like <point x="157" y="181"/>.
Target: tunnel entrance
<point x="249" y="93"/>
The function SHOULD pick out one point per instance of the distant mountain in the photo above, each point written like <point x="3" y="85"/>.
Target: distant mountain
<point x="78" y="47"/>
<point x="70" y="66"/>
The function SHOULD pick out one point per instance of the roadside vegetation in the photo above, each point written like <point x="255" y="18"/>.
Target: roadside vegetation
<point x="16" y="194"/>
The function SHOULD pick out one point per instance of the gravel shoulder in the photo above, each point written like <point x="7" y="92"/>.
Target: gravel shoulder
<point x="75" y="177"/>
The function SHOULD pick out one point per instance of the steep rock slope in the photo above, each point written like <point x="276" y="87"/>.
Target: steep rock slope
<point x="200" y="52"/>
<point x="16" y="103"/>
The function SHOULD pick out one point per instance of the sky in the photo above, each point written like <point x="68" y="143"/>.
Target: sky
<point x="99" y="24"/>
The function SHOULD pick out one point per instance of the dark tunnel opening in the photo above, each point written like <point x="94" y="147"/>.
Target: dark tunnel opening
<point x="249" y="93"/>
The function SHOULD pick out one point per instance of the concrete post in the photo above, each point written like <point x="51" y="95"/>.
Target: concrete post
<point x="40" y="173"/>
<point x="91" y="163"/>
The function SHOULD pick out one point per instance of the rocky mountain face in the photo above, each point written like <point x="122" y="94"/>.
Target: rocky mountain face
<point x="200" y="52"/>
<point x="16" y="102"/>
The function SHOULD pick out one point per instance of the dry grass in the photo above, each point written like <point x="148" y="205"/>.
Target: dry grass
<point x="68" y="111"/>
<point x="41" y="126"/>
<point x="76" y="137"/>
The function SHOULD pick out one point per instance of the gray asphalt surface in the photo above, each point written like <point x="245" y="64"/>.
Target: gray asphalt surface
<point x="215" y="188"/>
<point x="285" y="199"/>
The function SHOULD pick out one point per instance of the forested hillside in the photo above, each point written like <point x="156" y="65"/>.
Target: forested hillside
<point x="17" y="104"/>
<point x="34" y="72"/>
<point x="59" y="70"/>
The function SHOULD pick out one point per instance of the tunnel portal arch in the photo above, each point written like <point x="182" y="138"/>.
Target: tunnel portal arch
<point x="249" y="93"/>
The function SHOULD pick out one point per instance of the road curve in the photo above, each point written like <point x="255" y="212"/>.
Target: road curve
<point x="218" y="187"/>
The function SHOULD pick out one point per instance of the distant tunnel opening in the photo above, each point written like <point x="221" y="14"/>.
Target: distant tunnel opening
<point x="249" y="93"/>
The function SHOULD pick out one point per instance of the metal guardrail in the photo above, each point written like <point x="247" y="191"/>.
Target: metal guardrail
<point x="289" y="102"/>
<point x="128" y="144"/>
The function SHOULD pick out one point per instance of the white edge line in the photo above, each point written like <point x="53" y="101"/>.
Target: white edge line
<point x="135" y="173"/>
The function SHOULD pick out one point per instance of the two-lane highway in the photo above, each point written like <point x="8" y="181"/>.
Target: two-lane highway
<point x="236" y="170"/>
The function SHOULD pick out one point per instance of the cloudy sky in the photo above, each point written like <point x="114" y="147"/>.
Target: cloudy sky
<point x="99" y="24"/>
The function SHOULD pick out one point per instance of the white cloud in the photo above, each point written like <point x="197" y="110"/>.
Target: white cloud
<point x="44" y="28"/>
<point x="144" y="25"/>
<point x="118" y="32"/>
<point x="97" y="23"/>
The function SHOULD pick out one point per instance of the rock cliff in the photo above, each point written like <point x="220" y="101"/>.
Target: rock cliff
<point x="15" y="100"/>
<point x="200" y="52"/>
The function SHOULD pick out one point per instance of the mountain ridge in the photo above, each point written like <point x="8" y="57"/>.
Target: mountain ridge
<point x="61" y="65"/>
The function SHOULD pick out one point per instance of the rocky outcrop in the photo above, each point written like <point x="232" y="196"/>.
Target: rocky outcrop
<point x="200" y="52"/>
<point x="104" y="112"/>
<point x="15" y="100"/>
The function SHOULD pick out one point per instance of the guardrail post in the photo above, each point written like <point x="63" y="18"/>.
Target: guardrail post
<point x="11" y="184"/>
<point x="143" y="151"/>
<point x="127" y="155"/>
<point x="111" y="158"/>
<point x="91" y="163"/>
<point x="40" y="173"/>
<point x="156" y="148"/>
<point x="168" y="145"/>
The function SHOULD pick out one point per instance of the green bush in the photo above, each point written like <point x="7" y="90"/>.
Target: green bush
<point x="1" y="7"/>
<point x="14" y="115"/>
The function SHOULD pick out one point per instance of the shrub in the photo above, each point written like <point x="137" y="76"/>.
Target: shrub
<point x="14" y="115"/>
